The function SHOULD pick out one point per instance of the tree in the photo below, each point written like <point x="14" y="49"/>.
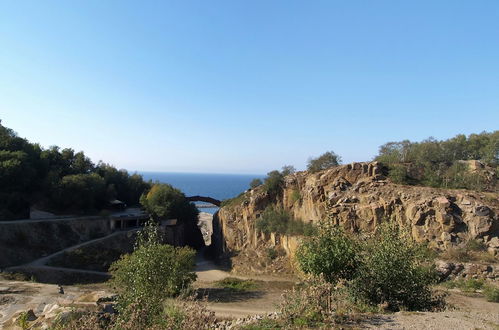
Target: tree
<point x="395" y="270"/>
<point x="152" y="273"/>
<point x="288" y="169"/>
<point x="324" y="161"/>
<point x="333" y="254"/>
<point x="166" y="202"/>
<point x="255" y="183"/>
<point x="274" y="182"/>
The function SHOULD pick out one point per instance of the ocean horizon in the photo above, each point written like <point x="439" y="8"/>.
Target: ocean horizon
<point x="215" y="185"/>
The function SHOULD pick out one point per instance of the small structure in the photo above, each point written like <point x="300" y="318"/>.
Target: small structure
<point x="124" y="221"/>
<point x="117" y="204"/>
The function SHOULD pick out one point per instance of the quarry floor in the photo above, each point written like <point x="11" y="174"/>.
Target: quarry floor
<point x="465" y="311"/>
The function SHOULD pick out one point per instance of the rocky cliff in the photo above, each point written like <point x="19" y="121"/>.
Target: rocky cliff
<point x="358" y="197"/>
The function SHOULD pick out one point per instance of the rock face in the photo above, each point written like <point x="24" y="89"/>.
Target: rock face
<point x="358" y="197"/>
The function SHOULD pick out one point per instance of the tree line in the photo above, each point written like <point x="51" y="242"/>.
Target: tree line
<point x="442" y="163"/>
<point x="58" y="180"/>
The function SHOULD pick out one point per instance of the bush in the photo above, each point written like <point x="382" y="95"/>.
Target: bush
<point x="275" y="220"/>
<point x="324" y="161"/>
<point x="166" y="202"/>
<point x="333" y="254"/>
<point x="398" y="173"/>
<point x="235" y="284"/>
<point x="491" y="293"/>
<point x="295" y="196"/>
<point x="152" y="273"/>
<point x="255" y="183"/>
<point x="273" y="183"/>
<point x="393" y="272"/>
<point x="318" y="303"/>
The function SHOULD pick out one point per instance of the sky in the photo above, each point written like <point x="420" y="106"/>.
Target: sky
<point x="245" y="86"/>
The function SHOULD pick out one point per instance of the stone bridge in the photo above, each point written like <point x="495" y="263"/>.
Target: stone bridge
<point x="210" y="200"/>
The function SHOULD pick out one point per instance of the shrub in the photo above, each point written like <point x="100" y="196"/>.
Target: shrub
<point x="166" y="202"/>
<point x="324" y="161"/>
<point x="255" y="183"/>
<point x="236" y="284"/>
<point x="152" y="273"/>
<point x="491" y="293"/>
<point x="318" y="303"/>
<point x="333" y="254"/>
<point x="295" y="196"/>
<point x="470" y="285"/>
<point x="276" y="220"/>
<point x="393" y="272"/>
<point x="398" y="173"/>
<point x="288" y="169"/>
<point x="273" y="183"/>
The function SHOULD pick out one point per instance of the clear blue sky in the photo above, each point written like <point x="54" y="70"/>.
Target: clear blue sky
<point x="245" y="86"/>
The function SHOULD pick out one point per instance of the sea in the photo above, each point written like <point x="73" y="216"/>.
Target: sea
<point x="218" y="186"/>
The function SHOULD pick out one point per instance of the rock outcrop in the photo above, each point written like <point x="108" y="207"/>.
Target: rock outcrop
<point x="359" y="197"/>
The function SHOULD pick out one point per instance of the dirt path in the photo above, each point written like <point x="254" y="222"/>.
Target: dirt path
<point x="235" y="304"/>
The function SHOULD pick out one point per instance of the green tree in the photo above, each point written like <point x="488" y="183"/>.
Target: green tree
<point x="288" y="169"/>
<point x="324" y="161"/>
<point x="274" y="182"/>
<point x="332" y="253"/>
<point x="166" y="202"/>
<point x="395" y="270"/>
<point x="152" y="273"/>
<point x="255" y="183"/>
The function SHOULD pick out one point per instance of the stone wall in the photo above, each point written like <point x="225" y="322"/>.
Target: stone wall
<point x="25" y="241"/>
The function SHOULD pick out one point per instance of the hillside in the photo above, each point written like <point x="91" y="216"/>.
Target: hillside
<point x="358" y="197"/>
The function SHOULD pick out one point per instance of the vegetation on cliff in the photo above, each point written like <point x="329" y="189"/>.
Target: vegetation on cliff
<point x="443" y="163"/>
<point x="58" y="180"/>
<point x="324" y="161"/>
<point x="276" y="220"/>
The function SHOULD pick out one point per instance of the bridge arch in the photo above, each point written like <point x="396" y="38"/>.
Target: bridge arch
<point x="205" y="199"/>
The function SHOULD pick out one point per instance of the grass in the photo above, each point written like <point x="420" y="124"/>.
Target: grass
<point x="236" y="284"/>
<point x="490" y="291"/>
<point x="473" y="250"/>
<point x="471" y="285"/>
<point x="234" y="201"/>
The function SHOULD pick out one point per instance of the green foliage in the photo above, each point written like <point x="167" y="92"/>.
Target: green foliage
<point x="394" y="271"/>
<point x="22" y="320"/>
<point x="255" y="183"/>
<point x="318" y="303"/>
<point x="234" y="201"/>
<point x="468" y="285"/>
<point x="332" y="253"/>
<point x="276" y="220"/>
<point x="152" y="273"/>
<point x="57" y="180"/>
<point x="273" y="183"/>
<point x="491" y="293"/>
<point x="166" y="202"/>
<point x="324" y="161"/>
<point x="272" y="253"/>
<point x="387" y="268"/>
<point x="295" y="196"/>
<point x="236" y="284"/>
<point x="288" y="169"/>
<point x="439" y="161"/>
<point x="472" y="285"/>
<point x="398" y="174"/>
